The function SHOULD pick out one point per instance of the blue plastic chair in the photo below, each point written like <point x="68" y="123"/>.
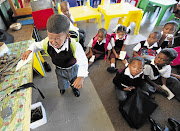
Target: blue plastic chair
<point x="95" y="3"/>
<point x="72" y="3"/>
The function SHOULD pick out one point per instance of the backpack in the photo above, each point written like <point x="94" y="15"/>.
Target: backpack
<point x="108" y="38"/>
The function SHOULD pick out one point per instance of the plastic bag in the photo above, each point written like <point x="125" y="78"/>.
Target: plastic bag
<point x="137" y="108"/>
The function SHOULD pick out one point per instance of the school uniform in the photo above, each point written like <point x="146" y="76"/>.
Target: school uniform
<point x="117" y="43"/>
<point x="99" y="49"/>
<point x="155" y="74"/>
<point x="124" y="79"/>
<point x="69" y="64"/>
<point x="149" y="52"/>
<point x="165" y="43"/>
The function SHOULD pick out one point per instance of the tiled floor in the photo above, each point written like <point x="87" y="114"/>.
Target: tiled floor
<point x="67" y="113"/>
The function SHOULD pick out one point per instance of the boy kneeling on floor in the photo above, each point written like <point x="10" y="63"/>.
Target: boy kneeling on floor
<point x="131" y="78"/>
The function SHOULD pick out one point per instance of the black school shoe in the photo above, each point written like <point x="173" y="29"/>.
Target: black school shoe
<point x="112" y="69"/>
<point x="76" y="92"/>
<point x="62" y="92"/>
<point x="47" y="67"/>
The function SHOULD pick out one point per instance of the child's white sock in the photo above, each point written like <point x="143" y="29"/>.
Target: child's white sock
<point x="112" y="64"/>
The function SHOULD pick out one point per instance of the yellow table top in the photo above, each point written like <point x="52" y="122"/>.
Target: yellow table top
<point x="84" y="12"/>
<point x="117" y="9"/>
<point x="20" y="102"/>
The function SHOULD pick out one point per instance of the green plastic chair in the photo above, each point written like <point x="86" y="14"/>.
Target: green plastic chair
<point x="146" y="7"/>
<point x="173" y="16"/>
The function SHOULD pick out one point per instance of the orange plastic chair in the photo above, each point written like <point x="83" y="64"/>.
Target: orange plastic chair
<point x="133" y="16"/>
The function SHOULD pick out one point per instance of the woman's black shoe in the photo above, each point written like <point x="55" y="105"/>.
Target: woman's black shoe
<point x="174" y="124"/>
<point x="155" y="126"/>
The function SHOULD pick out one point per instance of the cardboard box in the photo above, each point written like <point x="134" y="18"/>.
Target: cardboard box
<point x="42" y="121"/>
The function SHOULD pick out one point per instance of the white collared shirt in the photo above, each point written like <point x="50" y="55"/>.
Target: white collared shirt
<point x="71" y="25"/>
<point x="109" y="47"/>
<point x="127" y="72"/>
<point x="79" y="54"/>
<point x="64" y="47"/>
<point x="117" y="38"/>
<point x="164" y="72"/>
<point x="138" y="46"/>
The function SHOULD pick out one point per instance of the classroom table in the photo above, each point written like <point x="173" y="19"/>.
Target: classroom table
<point x="164" y="4"/>
<point x="80" y="13"/>
<point x="20" y="102"/>
<point x="115" y="10"/>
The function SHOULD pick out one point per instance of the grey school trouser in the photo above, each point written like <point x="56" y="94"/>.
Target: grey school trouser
<point x="66" y="76"/>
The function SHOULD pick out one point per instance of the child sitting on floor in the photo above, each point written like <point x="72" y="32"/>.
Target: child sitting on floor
<point x="99" y="46"/>
<point x="82" y="33"/>
<point x="167" y="38"/>
<point x="131" y="78"/>
<point x="157" y="72"/>
<point x="66" y="54"/>
<point x="149" y="48"/>
<point x="118" y="42"/>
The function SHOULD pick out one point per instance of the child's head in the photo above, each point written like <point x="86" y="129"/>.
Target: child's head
<point x="170" y="27"/>
<point x="121" y="31"/>
<point x="65" y="7"/>
<point x="136" y="65"/>
<point x="165" y="57"/>
<point x="154" y="37"/>
<point x="101" y="34"/>
<point x="58" y="30"/>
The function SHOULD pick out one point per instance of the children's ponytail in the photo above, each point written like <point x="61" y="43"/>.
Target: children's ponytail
<point x="121" y="28"/>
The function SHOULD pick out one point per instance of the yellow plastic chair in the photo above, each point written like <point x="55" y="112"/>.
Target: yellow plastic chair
<point x="133" y="16"/>
<point x="81" y="13"/>
<point x="105" y="2"/>
<point x="37" y="64"/>
<point x="116" y="10"/>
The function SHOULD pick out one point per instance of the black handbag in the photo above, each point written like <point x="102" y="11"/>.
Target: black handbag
<point x="6" y="37"/>
<point x="137" y="108"/>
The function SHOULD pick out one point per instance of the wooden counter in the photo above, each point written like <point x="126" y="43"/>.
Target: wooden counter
<point x="25" y="33"/>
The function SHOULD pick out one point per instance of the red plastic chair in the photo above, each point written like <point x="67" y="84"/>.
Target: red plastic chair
<point x="41" y="11"/>
<point x="40" y="18"/>
<point x="135" y="1"/>
<point x="119" y="1"/>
